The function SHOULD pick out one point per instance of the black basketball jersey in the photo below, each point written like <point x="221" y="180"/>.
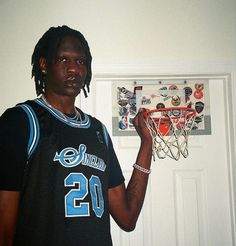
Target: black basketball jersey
<point x="64" y="197"/>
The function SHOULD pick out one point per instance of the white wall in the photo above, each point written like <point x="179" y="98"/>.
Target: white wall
<point x="161" y="37"/>
<point x="126" y="36"/>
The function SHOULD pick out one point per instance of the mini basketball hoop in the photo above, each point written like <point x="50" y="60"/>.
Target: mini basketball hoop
<point x="170" y="128"/>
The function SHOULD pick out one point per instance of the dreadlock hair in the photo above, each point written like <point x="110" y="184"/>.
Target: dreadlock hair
<point x="47" y="48"/>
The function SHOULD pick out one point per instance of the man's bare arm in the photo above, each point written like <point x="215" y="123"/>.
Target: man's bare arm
<point x="126" y="203"/>
<point x="9" y="202"/>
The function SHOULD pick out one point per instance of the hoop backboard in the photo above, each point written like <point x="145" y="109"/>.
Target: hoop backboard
<point x="131" y="95"/>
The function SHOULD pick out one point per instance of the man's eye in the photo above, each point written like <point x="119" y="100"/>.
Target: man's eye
<point x="81" y="62"/>
<point x="61" y="59"/>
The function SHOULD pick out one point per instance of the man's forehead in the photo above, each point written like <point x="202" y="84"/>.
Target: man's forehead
<point x="70" y="42"/>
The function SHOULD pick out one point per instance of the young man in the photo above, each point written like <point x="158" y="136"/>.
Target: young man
<point x="59" y="176"/>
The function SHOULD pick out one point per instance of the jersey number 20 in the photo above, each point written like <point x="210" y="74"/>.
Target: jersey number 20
<point x="74" y="205"/>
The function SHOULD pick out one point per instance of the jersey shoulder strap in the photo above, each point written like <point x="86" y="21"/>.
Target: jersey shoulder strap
<point x="34" y="128"/>
<point x="106" y="135"/>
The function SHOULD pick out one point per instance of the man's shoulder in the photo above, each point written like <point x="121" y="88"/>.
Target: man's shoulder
<point x="31" y="103"/>
<point x="17" y="114"/>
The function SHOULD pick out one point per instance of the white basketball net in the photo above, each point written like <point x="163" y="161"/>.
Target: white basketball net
<point x="170" y="128"/>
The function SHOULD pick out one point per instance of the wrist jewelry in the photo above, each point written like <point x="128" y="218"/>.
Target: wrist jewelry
<point x="142" y="169"/>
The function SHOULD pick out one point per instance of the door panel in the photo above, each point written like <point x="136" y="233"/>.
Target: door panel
<point x="187" y="202"/>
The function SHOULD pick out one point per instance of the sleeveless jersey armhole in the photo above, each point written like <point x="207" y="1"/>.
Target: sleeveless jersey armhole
<point x="116" y="176"/>
<point x="105" y="134"/>
<point x="34" y="129"/>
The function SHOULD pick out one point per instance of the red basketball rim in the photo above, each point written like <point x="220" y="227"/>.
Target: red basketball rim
<point x="185" y="112"/>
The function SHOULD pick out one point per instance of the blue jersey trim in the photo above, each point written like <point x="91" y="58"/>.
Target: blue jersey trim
<point x="105" y="133"/>
<point x="34" y="129"/>
<point x="85" y="123"/>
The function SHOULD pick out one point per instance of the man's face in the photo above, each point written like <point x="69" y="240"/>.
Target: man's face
<point x="66" y="74"/>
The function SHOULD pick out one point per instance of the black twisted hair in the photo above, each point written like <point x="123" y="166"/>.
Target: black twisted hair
<point x="47" y="47"/>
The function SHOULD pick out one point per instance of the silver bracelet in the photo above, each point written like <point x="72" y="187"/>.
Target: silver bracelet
<point x="142" y="169"/>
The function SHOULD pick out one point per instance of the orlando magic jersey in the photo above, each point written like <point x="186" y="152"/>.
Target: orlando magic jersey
<point x="64" y="196"/>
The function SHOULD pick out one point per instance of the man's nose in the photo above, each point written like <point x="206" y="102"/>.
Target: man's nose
<point x="73" y="67"/>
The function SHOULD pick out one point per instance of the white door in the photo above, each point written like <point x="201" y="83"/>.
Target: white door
<point x="188" y="202"/>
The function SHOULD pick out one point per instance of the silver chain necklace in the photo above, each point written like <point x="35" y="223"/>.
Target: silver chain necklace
<point x="64" y="116"/>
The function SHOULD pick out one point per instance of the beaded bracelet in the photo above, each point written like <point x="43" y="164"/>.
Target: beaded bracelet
<point x="142" y="169"/>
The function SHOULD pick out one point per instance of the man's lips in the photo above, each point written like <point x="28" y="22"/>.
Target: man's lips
<point x="73" y="82"/>
<point x="69" y="83"/>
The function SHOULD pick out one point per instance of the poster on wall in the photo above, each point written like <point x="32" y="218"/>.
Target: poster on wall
<point x="129" y="96"/>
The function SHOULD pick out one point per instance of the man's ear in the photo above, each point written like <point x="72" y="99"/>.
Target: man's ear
<point x="43" y="65"/>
